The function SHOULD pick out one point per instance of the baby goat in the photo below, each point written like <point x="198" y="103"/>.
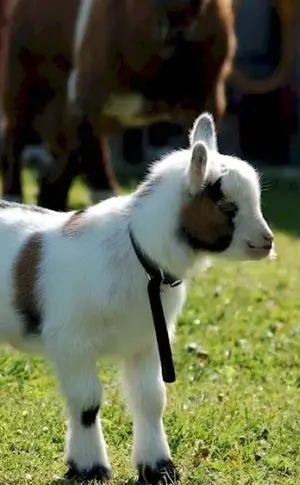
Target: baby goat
<point x="74" y="286"/>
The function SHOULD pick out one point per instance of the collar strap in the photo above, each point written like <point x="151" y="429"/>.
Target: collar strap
<point x="156" y="278"/>
<point x="152" y="270"/>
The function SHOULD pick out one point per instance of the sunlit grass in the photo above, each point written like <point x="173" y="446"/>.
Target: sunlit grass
<point x="233" y="416"/>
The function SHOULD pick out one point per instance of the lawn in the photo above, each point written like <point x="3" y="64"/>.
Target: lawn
<point x="233" y="415"/>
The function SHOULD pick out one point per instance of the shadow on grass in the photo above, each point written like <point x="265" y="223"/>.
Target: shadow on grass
<point x="281" y="205"/>
<point x="65" y="481"/>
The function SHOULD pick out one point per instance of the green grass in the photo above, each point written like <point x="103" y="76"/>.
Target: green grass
<point x="232" y="418"/>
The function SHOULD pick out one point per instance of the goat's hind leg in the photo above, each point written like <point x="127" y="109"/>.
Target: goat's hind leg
<point x="86" y="453"/>
<point x="146" y="396"/>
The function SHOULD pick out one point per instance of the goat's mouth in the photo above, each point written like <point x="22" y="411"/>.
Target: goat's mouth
<point x="261" y="252"/>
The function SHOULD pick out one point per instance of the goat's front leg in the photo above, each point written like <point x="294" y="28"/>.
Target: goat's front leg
<point x="146" y="395"/>
<point x="86" y="453"/>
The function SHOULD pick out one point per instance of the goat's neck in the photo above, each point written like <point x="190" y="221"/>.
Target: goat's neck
<point x="155" y="224"/>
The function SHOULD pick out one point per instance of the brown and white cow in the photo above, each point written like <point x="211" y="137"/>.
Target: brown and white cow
<point x="79" y="68"/>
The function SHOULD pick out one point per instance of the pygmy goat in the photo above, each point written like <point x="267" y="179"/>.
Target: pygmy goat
<point x="74" y="286"/>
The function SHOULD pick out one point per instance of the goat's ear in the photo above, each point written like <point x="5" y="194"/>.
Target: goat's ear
<point x="198" y="166"/>
<point x="204" y="130"/>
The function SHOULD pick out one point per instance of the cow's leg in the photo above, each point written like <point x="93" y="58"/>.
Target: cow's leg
<point x="33" y="111"/>
<point x="94" y="161"/>
<point x="146" y="396"/>
<point x="57" y="129"/>
<point x="76" y="150"/>
<point x="15" y="138"/>
<point x="22" y="93"/>
<point x="133" y="147"/>
<point x="56" y="180"/>
<point x="18" y="132"/>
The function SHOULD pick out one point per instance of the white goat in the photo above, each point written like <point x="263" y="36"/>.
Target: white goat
<point x="72" y="286"/>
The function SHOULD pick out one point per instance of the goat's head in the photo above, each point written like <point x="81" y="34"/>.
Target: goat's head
<point x="222" y="211"/>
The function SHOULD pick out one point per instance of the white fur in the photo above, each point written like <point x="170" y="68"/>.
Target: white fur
<point x="93" y="290"/>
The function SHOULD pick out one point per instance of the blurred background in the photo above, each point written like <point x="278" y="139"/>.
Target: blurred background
<point x="241" y="398"/>
<point x="261" y="121"/>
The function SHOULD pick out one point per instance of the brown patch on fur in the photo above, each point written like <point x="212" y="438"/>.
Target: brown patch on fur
<point x="74" y="224"/>
<point x="25" y="277"/>
<point x="203" y="219"/>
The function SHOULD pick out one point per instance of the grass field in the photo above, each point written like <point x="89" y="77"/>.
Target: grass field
<point x="233" y="416"/>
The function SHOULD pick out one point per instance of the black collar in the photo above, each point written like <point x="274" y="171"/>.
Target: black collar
<point x="157" y="277"/>
<point x="152" y="270"/>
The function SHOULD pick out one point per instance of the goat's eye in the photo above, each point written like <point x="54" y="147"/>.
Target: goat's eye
<point x="226" y="206"/>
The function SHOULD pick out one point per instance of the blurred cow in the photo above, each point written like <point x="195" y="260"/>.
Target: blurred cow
<point x="79" y="68"/>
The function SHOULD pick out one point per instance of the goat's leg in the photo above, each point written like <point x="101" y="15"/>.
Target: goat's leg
<point x="86" y="453"/>
<point x="146" y="396"/>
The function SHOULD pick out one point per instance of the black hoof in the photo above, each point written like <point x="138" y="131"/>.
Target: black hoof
<point x="97" y="472"/>
<point x="164" y="473"/>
